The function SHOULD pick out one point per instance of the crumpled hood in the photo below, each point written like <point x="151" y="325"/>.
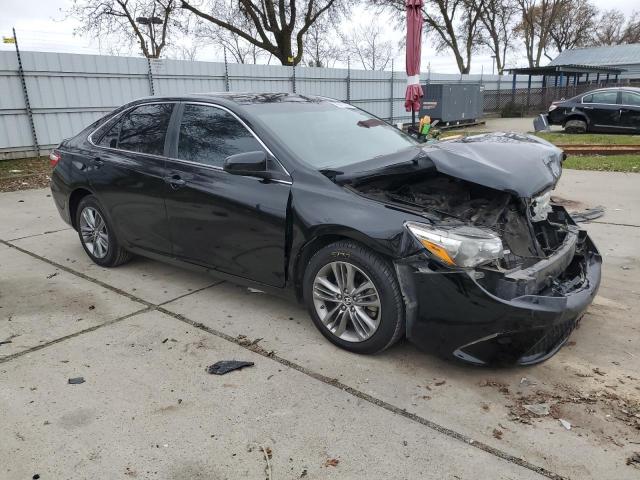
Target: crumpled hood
<point x="511" y="162"/>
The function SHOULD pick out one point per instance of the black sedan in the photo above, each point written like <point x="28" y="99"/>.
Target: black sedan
<point x="613" y="110"/>
<point x="455" y="245"/>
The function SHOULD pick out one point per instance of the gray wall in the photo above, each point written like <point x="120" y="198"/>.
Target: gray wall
<point x="69" y="91"/>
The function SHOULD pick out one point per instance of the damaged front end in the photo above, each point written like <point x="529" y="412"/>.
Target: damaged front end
<point x="501" y="275"/>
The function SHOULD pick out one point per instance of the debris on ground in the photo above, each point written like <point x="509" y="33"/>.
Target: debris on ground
<point x="76" y="380"/>
<point x="226" y="366"/>
<point x="4" y="342"/>
<point x="52" y="275"/>
<point x="439" y="381"/>
<point x="497" y="433"/>
<point x="331" y="462"/>
<point x="634" y="460"/>
<point x="247" y="342"/>
<point x="565" y="424"/>
<point x="267" y="457"/>
<point x="597" y="371"/>
<point x="92" y="307"/>
<point x="525" y="382"/>
<point x="588" y="214"/>
<point x="540" y="409"/>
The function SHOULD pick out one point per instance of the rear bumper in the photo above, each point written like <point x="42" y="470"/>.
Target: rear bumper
<point x="451" y="313"/>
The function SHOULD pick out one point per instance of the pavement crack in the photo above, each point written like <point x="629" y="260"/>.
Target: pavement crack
<point x="72" y="335"/>
<point x="38" y="234"/>
<point x="333" y="382"/>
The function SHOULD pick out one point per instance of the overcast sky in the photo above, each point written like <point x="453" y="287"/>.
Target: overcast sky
<point x="40" y="25"/>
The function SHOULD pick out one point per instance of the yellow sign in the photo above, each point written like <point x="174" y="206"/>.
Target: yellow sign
<point x="290" y="59"/>
<point x="8" y="40"/>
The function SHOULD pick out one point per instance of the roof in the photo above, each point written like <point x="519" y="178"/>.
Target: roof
<point x="249" y="98"/>
<point x="611" y="55"/>
<point x="552" y="70"/>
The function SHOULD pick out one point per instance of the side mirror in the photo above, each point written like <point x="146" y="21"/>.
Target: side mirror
<point x="252" y="164"/>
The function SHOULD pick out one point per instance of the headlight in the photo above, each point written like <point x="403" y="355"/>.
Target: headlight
<point x="462" y="246"/>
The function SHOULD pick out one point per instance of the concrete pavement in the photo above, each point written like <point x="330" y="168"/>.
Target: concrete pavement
<point x="142" y="335"/>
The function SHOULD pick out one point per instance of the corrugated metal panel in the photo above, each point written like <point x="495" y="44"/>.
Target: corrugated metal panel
<point x="69" y="91"/>
<point x="610" y="56"/>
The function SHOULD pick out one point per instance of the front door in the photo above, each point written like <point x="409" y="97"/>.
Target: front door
<point x="232" y="223"/>
<point x="127" y="173"/>
<point x="630" y="110"/>
<point x="603" y="109"/>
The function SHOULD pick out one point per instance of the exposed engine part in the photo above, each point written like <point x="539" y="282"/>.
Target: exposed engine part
<point x="529" y="232"/>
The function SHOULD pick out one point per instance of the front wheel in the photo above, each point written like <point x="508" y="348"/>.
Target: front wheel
<point x="97" y="236"/>
<point x="353" y="297"/>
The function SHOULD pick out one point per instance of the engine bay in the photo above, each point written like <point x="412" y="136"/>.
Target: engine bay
<point x="530" y="230"/>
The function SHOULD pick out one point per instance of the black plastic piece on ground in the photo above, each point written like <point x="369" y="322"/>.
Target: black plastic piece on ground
<point x="76" y="380"/>
<point x="226" y="366"/>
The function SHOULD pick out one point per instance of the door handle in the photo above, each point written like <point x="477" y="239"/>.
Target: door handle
<point x="588" y="108"/>
<point x="175" y="181"/>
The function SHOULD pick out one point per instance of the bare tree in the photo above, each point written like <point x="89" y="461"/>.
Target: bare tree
<point x="320" y="50"/>
<point x="537" y="20"/>
<point x="451" y="24"/>
<point x="241" y="51"/>
<point x="280" y="26"/>
<point x="612" y="28"/>
<point x="367" y="44"/>
<point x="497" y="17"/>
<point x="149" y="23"/>
<point x="573" y="26"/>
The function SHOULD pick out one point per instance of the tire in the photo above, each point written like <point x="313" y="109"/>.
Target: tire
<point x="575" y="126"/>
<point x="102" y="247"/>
<point x="385" y="324"/>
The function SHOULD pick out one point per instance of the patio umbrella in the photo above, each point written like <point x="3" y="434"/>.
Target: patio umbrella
<point x="414" y="43"/>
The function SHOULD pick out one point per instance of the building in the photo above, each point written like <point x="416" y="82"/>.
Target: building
<point x="623" y="57"/>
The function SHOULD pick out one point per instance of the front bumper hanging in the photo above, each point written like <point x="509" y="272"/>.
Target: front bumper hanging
<point x="452" y="313"/>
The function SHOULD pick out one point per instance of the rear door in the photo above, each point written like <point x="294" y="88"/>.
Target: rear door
<point x="630" y="110"/>
<point x="127" y="174"/>
<point x="232" y="223"/>
<point x="603" y="109"/>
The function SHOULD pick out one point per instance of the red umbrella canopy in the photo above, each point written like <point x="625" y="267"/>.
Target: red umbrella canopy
<point x="414" y="47"/>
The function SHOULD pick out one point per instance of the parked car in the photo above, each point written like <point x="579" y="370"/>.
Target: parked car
<point x="455" y="245"/>
<point x="614" y="110"/>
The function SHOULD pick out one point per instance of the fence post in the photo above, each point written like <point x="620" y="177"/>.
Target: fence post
<point x="226" y="71"/>
<point x="150" y="76"/>
<point x="27" y="104"/>
<point x="348" y="80"/>
<point x="293" y="78"/>
<point x="391" y="95"/>
<point x="499" y="97"/>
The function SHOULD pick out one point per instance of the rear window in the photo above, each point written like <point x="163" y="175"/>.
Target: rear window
<point x="141" y="130"/>
<point x="630" y="98"/>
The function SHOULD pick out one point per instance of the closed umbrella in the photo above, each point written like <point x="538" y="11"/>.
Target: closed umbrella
<point x="414" y="43"/>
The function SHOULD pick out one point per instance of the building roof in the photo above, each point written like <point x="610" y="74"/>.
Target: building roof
<point x="612" y="55"/>
<point x="557" y="70"/>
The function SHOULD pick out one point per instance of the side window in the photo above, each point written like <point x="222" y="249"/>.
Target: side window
<point x="587" y="98"/>
<point x="110" y="139"/>
<point x="605" y="97"/>
<point x="144" y="129"/>
<point x="209" y="135"/>
<point x="630" y="98"/>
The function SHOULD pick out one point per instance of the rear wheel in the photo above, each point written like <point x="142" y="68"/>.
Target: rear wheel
<point x="353" y="297"/>
<point x="575" y="126"/>
<point x="97" y="236"/>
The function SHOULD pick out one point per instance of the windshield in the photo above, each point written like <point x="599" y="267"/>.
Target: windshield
<point x="329" y="135"/>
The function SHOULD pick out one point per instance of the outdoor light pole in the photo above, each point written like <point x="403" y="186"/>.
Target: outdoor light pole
<point x="150" y="22"/>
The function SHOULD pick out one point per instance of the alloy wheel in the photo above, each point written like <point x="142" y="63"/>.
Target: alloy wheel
<point x="94" y="232"/>
<point x="346" y="301"/>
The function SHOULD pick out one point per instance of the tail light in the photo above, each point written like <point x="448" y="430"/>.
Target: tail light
<point x="54" y="158"/>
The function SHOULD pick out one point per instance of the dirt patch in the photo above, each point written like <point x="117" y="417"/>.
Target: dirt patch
<point x="24" y="174"/>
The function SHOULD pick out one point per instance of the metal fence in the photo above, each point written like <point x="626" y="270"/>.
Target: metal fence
<point x="65" y="92"/>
